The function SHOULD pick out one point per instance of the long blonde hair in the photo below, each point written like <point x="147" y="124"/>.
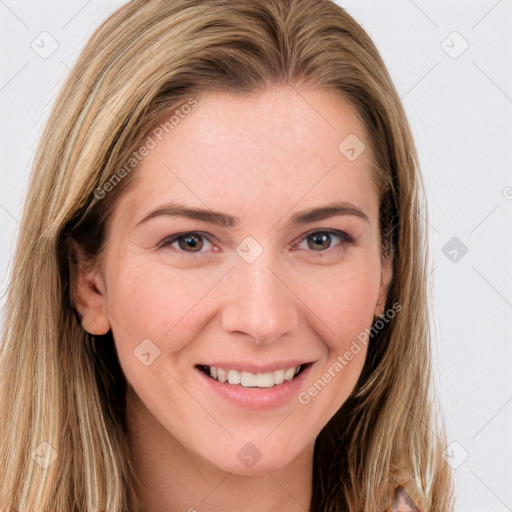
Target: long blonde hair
<point x="62" y="426"/>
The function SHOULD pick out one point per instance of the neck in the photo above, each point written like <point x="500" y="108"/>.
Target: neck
<point x="176" y="479"/>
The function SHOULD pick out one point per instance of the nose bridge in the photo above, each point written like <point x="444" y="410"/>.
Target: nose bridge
<point x="259" y="304"/>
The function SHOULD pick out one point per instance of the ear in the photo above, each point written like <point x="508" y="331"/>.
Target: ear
<point x="88" y="291"/>
<point x="385" y="279"/>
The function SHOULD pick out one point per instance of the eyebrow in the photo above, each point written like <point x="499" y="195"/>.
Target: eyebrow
<point x="226" y="220"/>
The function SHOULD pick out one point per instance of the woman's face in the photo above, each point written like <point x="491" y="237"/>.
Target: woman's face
<point x="264" y="277"/>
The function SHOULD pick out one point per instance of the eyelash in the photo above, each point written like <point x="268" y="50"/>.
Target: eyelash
<point x="345" y="239"/>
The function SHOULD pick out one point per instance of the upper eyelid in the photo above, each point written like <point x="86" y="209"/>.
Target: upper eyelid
<point x="342" y="234"/>
<point x="168" y="240"/>
<point x="331" y="231"/>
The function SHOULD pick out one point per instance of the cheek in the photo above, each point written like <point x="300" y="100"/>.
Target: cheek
<point x="344" y="300"/>
<point x="151" y="301"/>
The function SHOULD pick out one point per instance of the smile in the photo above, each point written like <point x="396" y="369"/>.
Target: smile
<point x="253" y="380"/>
<point x="254" y="386"/>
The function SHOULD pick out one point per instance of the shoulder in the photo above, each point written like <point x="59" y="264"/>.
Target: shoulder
<point x="403" y="502"/>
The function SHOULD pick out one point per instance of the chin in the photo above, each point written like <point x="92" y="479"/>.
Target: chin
<point x="254" y="458"/>
<point x="253" y="468"/>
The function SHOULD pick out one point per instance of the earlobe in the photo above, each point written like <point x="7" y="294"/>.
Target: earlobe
<point x="385" y="280"/>
<point x="88" y="291"/>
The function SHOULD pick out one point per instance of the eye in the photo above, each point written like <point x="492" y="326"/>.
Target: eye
<point x="321" y="240"/>
<point x="191" y="242"/>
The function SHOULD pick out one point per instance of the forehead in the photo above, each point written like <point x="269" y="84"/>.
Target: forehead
<point x="258" y="153"/>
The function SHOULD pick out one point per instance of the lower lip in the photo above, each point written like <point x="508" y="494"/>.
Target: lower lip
<point x="256" y="398"/>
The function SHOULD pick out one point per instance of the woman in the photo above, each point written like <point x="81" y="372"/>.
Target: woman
<point x="218" y="297"/>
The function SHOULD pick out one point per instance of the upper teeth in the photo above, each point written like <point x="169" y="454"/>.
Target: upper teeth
<point x="250" y="380"/>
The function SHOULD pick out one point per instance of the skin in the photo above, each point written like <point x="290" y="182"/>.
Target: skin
<point x="261" y="158"/>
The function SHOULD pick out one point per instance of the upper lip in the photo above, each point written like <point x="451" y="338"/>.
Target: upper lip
<point x="253" y="367"/>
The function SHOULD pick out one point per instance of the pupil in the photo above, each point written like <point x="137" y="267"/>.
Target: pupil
<point x="190" y="242"/>
<point x="319" y="239"/>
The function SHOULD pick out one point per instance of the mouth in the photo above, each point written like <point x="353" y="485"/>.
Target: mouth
<point x="246" y="379"/>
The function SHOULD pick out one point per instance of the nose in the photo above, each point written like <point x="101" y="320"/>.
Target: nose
<point x="259" y="302"/>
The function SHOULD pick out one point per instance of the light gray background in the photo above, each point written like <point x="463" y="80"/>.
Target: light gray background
<point x="459" y="105"/>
